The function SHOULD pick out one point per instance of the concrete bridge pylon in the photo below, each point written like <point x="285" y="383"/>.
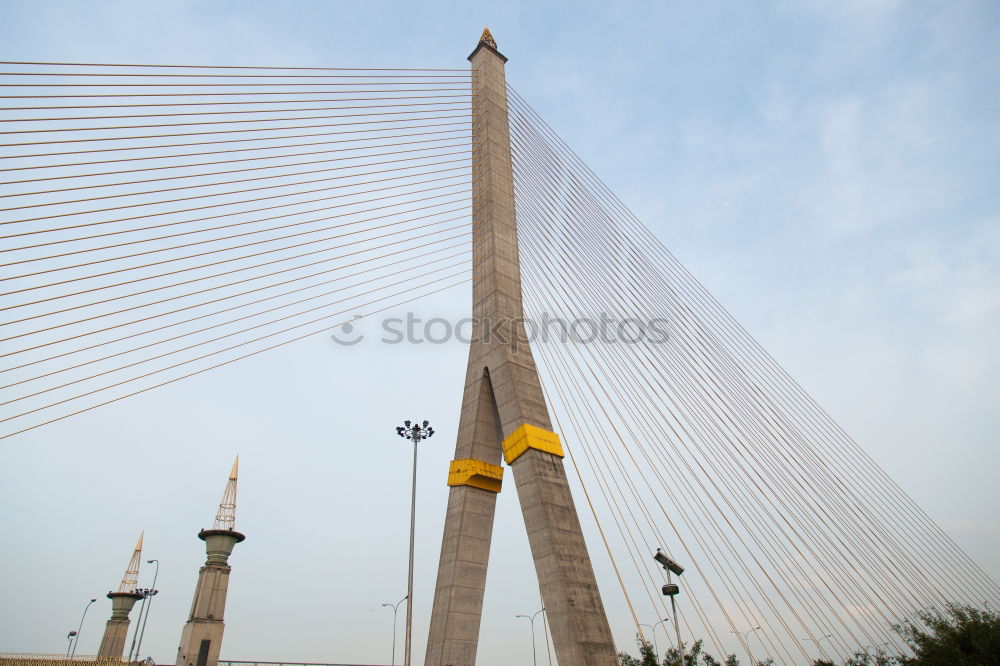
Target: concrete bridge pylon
<point x="504" y="411"/>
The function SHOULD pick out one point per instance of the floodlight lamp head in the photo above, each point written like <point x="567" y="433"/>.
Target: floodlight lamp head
<point x="426" y="424"/>
<point x="668" y="563"/>
<point x="406" y="423"/>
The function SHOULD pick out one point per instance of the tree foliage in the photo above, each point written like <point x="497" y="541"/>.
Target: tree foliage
<point x="864" y="657"/>
<point x="961" y="635"/>
<point x="695" y="656"/>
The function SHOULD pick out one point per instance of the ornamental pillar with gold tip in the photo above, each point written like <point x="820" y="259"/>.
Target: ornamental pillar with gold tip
<point x="122" y="601"/>
<point x="201" y="639"/>
<point x="504" y="410"/>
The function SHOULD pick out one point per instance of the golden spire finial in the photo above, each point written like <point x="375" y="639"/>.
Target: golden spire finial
<point x="225" y="519"/>
<point x="487" y="38"/>
<point x="131" y="579"/>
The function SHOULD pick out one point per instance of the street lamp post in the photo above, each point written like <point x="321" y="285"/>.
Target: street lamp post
<point x="69" y="637"/>
<point x="152" y="593"/>
<point x="80" y="628"/>
<point x="655" y="647"/>
<point x="534" y="659"/>
<point x="818" y="646"/>
<point x="394" y="608"/>
<point x="652" y="630"/>
<point x="878" y="650"/>
<point x="415" y="433"/>
<point x="746" y="639"/>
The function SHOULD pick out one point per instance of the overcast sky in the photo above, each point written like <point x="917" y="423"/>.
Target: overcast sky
<point x="828" y="170"/>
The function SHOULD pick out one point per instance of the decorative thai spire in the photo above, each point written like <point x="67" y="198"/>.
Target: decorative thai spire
<point x="487" y="38"/>
<point x="226" y="518"/>
<point x="131" y="579"/>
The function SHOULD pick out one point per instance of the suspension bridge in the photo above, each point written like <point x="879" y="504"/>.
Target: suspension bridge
<point x="163" y="221"/>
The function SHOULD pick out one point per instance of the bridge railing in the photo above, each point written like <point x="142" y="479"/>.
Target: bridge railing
<point x="228" y="662"/>
<point x="31" y="659"/>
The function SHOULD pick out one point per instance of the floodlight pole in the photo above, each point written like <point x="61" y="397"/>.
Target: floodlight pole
<point x="414" y="433"/>
<point x="677" y="627"/>
<point x="135" y="633"/>
<point x="671" y="590"/>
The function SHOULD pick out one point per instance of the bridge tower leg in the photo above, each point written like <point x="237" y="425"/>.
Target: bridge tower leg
<point x="122" y="601"/>
<point x="201" y="638"/>
<point x="503" y="409"/>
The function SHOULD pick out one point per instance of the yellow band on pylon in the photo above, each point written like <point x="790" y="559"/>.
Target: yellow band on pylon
<point x="475" y="473"/>
<point x="530" y="437"/>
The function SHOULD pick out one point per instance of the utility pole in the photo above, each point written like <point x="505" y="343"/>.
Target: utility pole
<point x="416" y="433"/>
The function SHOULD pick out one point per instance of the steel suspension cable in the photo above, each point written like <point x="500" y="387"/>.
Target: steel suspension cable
<point x="754" y="347"/>
<point x="229" y="361"/>
<point x="397" y="260"/>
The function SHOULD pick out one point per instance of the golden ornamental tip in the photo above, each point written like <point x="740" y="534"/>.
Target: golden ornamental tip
<point x="131" y="579"/>
<point x="225" y="519"/>
<point x="487" y="38"/>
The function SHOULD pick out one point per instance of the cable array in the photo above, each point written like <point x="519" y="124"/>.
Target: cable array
<point x="159" y="221"/>
<point x="688" y="436"/>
